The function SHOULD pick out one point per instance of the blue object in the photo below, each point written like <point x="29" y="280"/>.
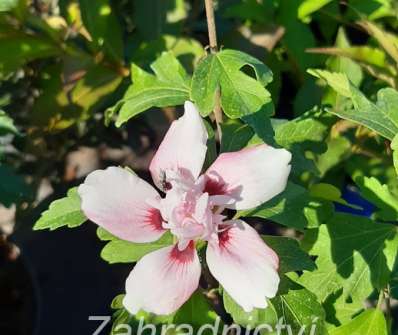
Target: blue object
<point x="351" y="194"/>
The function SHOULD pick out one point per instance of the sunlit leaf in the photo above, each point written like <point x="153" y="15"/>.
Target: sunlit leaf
<point x="387" y="40"/>
<point x="327" y="192"/>
<point x="252" y="319"/>
<point x="62" y="212"/>
<point x="380" y="196"/>
<point x="340" y="310"/>
<point x="305" y="133"/>
<point x="339" y="149"/>
<point x="370" y="322"/>
<point x="7" y="125"/>
<point x="343" y="63"/>
<point x="310" y="6"/>
<point x="97" y="83"/>
<point x="170" y="86"/>
<point x="297" y="306"/>
<point x="7" y="5"/>
<point x="120" y="251"/>
<point x="381" y="116"/>
<point x="300" y="309"/>
<point x="241" y="94"/>
<point x="353" y="253"/>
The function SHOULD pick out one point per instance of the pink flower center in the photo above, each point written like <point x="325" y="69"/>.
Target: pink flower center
<point x="188" y="211"/>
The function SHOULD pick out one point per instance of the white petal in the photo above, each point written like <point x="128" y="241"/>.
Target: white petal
<point x="183" y="148"/>
<point x="251" y="176"/>
<point x="117" y="200"/>
<point x="163" y="280"/>
<point x="244" y="265"/>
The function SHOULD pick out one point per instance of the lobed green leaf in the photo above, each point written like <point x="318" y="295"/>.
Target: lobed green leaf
<point x="370" y="322"/>
<point x="353" y="253"/>
<point x="241" y="94"/>
<point x="168" y="87"/>
<point x="382" y="116"/>
<point x="120" y="251"/>
<point x="65" y="212"/>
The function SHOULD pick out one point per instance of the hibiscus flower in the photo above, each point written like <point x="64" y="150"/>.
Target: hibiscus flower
<point x="192" y="210"/>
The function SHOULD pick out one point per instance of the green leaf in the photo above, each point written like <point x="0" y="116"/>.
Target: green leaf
<point x="120" y="251"/>
<point x="291" y="256"/>
<point x="329" y="192"/>
<point x="380" y="196"/>
<point x="117" y="302"/>
<point x="170" y="87"/>
<point x="394" y="147"/>
<point x="124" y="321"/>
<point x="381" y="116"/>
<point x="300" y="309"/>
<point x="287" y="208"/>
<point x="365" y="54"/>
<point x="188" y="50"/>
<point x="13" y="188"/>
<point x="7" y="125"/>
<point x="235" y="135"/>
<point x="156" y="17"/>
<point x="241" y="94"/>
<point x="308" y="7"/>
<point x="196" y="312"/>
<point x="351" y="59"/>
<point x="18" y="50"/>
<point x="339" y="310"/>
<point x="394" y="281"/>
<point x="307" y="129"/>
<point x="370" y="322"/>
<point x="372" y="9"/>
<point x="387" y="41"/>
<point x="353" y="253"/>
<point x="52" y="109"/>
<point x="336" y="80"/>
<point x="91" y="90"/>
<point x="297" y="306"/>
<point x="103" y="26"/>
<point x="302" y="134"/>
<point x="252" y="319"/>
<point x="339" y="149"/>
<point x="251" y="10"/>
<point x="345" y="64"/>
<point x="104" y="235"/>
<point x="7" y="5"/>
<point x="62" y="212"/>
<point x="297" y="39"/>
<point x="211" y="153"/>
<point x="261" y="124"/>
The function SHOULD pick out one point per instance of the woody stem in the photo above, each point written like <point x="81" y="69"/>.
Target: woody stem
<point x="211" y="26"/>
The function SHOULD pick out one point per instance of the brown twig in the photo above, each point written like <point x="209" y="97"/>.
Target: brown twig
<point x="211" y="27"/>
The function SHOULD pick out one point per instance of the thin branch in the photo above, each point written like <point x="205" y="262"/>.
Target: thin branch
<point x="211" y="26"/>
